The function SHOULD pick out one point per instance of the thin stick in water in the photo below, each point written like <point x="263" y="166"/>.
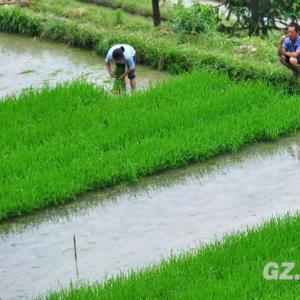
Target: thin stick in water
<point x="75" y="255"/>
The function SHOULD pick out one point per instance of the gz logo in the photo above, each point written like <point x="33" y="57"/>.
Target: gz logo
<point x="282" y="271"/>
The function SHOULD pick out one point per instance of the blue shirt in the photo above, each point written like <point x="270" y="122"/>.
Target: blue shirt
<point x="290" y="46"/>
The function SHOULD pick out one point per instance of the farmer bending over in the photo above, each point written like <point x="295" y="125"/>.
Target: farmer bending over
<point x="289" y="49"/>
<point x="124" y="56"/>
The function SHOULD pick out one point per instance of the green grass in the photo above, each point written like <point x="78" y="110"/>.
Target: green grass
<point x="140" y="7"/>
<point x="57" y="143"/>
<point x="101" y="17"/>
<point x="231" y="269"/>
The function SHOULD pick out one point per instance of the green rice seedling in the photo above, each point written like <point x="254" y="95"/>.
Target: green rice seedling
<point x="119" y="85"/>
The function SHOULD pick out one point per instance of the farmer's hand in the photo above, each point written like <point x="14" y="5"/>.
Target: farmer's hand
<point x="112" y="75"/>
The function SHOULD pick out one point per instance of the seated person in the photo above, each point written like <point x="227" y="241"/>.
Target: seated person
<point x="289" y="49"/>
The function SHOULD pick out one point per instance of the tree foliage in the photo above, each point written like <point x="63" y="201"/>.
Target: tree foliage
<point x="258" y="16"/>
<point x="192" y="20"/>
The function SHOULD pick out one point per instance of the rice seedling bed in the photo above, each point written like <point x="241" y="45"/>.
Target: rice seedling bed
<point x="58" y="143"/>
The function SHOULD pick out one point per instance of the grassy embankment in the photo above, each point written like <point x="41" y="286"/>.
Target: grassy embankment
<point x="140" y="7"/>
<point x="94" y="27"/>
<point x="55" y="144"/>
<point x="227" y="270"/>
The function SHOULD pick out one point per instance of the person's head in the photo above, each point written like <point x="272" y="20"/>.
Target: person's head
<point x="293" y="30"/>
<point x="118" y="53"/>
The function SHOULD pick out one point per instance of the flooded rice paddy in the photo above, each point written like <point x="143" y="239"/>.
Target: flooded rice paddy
<point x="130" y="227"/>
<point x="30" y="62"/>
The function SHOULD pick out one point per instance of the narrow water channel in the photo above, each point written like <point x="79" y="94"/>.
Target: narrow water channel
<point x="133" y="226"/>
<point x="30" y="62"/>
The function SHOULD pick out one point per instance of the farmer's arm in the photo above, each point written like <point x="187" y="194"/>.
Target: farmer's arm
<point x="108" y="60"/>
<point x="108" y="67"/>
<point x="131" y="67"/>
<point x="295" y="54"/>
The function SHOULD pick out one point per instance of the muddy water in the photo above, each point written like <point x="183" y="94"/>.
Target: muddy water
<point x="29" y="62"/>
<point x="133" y="226"/>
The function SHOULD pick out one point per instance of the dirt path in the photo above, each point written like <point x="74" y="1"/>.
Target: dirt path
<point x="21" y="2"/>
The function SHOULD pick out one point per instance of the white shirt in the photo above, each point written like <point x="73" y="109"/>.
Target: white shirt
<point x="129" y="53"/>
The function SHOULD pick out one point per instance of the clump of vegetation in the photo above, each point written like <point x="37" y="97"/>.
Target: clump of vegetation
<point x="192" y="20"/>
<point x="119" y="85"/>
<point x="119" y="17"/>
<point x="13" y="20"/>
